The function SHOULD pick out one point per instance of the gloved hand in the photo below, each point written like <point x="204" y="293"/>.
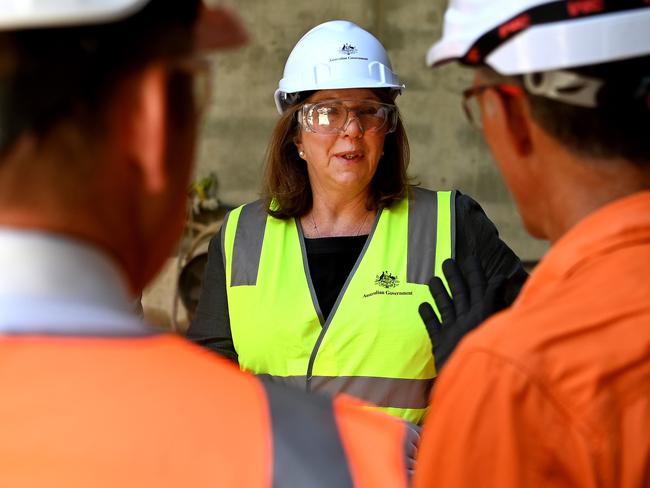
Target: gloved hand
<point x="473" y="300"/>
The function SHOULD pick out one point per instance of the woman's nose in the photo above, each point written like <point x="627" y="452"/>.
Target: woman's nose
<point x="353" y="127"/>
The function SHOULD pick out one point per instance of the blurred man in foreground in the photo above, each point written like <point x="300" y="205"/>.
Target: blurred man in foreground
<point x="555" y="391"/>
<point x="99" y="104"/>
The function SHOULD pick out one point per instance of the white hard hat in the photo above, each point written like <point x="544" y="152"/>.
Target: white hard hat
<point x="216" y="27"/>
<point x="336" y="54"/>
<point x="523" y="36"/>
<point x="23" y="14"/>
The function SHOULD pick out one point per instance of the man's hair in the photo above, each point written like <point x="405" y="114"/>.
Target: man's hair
<point x="61" y="73"/>
<point x="286" y="182"/>
<point x="619" y="127"/>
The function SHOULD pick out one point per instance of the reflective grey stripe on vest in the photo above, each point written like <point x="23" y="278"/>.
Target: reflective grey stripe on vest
<point x="422" y="230"/>
<point x="307" y="448"/>
<point x="382" y="392"/>
<point x="411" y="444"/>
<point x="99" y="330"/>
<point x="247" y="249"/>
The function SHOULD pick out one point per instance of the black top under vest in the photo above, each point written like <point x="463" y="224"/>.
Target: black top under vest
<point x="330" y="260"/>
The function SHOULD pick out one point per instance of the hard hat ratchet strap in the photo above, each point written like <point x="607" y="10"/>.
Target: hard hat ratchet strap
<point x="544" y="14"/>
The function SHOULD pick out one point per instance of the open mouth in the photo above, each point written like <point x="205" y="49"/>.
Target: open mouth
<point x="350" y="155"/>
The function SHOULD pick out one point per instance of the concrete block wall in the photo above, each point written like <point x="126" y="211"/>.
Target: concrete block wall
<point x="445" y="151"/>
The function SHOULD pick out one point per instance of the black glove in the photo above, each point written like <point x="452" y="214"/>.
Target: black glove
<point x="473" y="300"/>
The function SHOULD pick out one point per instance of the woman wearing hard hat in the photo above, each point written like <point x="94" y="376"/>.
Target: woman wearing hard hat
<point x="318" y="284"/>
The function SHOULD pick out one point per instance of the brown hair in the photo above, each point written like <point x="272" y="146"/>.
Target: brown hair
<point x="286" y="182"/>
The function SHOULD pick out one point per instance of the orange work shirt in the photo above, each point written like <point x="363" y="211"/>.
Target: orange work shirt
<point x="555" y="391"/>
<point x="158" y="411"/>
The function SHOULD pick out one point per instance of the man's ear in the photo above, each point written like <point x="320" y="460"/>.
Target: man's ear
<point x="510" y="115"/>
<point x="137" y="118"/>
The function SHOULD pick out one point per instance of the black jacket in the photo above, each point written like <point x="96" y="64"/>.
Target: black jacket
<point x="330" y="261"/>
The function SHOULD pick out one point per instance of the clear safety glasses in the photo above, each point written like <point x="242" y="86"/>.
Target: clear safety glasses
<point x="472" y="107"/>
<point x="334" y="116"/>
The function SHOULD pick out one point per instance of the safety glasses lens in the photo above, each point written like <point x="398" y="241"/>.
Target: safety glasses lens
<point x="334" y="116"/>
<point x="472" y="110"/>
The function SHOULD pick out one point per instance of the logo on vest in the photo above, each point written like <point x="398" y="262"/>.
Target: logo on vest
<point x="388" y="281"/>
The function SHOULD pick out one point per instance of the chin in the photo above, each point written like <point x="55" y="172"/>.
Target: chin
<point x="351" y="178"/>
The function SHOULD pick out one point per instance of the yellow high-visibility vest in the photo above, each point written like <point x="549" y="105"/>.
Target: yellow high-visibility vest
<point x="374" y="344"/>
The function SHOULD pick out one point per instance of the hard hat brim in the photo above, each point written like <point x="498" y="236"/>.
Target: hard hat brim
<point x="281" y="105"/>
<point x="21" y="15"/>
<point x="218" y="28"/>
<point x="443" y="52"/>
<point x="580" y="42"/>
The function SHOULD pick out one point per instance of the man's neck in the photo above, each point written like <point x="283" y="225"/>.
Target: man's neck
<point x="579" y="187"/>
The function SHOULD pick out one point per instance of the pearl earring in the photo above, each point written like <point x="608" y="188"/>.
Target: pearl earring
<point x="301" y="154"/>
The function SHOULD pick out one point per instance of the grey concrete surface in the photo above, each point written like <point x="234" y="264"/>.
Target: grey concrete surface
<point x="445" y="151"/>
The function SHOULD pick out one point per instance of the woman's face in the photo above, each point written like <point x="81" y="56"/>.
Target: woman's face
<point x="346" y="161"/>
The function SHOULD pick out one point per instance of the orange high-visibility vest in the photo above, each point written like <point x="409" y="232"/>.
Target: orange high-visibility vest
<point x="154" y="410"/>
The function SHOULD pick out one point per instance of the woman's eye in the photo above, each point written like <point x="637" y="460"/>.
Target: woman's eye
<point x="333" y="111"/>
<point x="371" y="111"/>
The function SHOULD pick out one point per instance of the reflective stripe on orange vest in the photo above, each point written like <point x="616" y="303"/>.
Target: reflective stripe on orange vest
<point x="159" y="411"/>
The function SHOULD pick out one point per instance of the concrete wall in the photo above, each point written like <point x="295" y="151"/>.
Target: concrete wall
<point x="446" y="151"/>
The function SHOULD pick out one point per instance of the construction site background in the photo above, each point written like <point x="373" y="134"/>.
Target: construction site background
<point x="446" y="152"/>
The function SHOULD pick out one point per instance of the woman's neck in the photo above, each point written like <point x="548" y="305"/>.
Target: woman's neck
<point x="344" y="215"/>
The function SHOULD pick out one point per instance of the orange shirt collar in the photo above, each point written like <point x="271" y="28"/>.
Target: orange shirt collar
<point x="620" y="222"/>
